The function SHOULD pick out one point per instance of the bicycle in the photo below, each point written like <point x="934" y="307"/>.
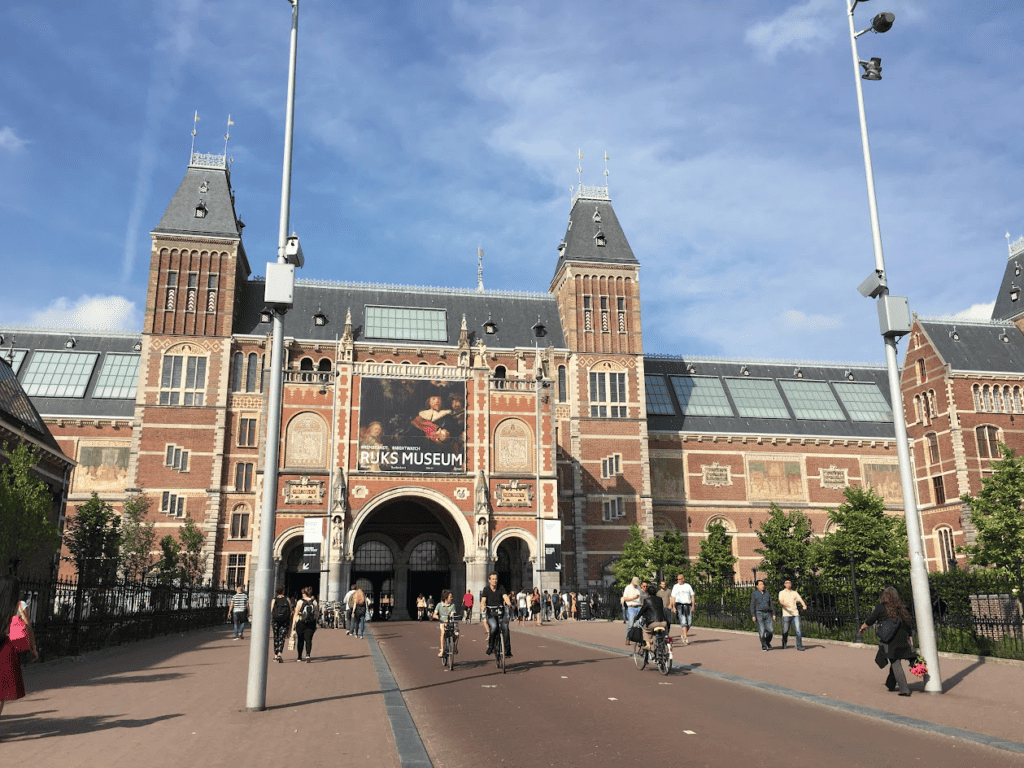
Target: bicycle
<point x="451" y="643"/>
<point x="499" y="645"/>
<point x="660" y="654"/>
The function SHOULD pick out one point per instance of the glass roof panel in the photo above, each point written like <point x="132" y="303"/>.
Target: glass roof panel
<point x="757" y="398"/>
<point x="59" y="374"/>
<point x="15" y="357"/>
<point x="812" y="400"/>
<point x="863" y="401"/>
<point x="701" y="396"/>
<point x="659" y="401"/>
<point x="14" y="402"/>
<point x="406" y="324"/>
<point x="119" y="377"/>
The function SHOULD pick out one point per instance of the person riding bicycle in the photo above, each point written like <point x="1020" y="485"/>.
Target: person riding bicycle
<point x="652" y="612"/>
<point x="443" y="612"/>
<point x="493" y="598"/>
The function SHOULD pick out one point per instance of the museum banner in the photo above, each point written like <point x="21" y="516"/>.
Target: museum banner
<point x="412" y="425"/>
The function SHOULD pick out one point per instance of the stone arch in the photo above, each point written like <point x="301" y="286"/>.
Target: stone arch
<point x="380" y="538"/>
<point x="428" y="494"/>
<point x="306" y="441"/>
<point x="284" y="539"/>
<point x="510" y="533"/>
<point x="730" y="526"/>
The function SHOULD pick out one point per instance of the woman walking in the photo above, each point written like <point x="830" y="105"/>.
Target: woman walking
<point x="359" y="612"/>
<point x="536" y="608"/>
<point x="894" y="632"/>
<point x="15" y="637"/>
<point x="280" y="613"/>
<point x="307" y="611"/>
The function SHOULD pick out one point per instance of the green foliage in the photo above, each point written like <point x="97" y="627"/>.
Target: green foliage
<point x="93" y="537"/>
<point x="191" y="558"/>
<point x="138" y="537"/>
<point x="635" y="560"/>
<point x="997" y="516"/>
<point x="786" y="546"/>
<point x="716" y="560"/>
<point x="876" y="542"/>
<point x="169" y="565"/>
<point x="666" y="554"/>
<point x="25" y="507"/>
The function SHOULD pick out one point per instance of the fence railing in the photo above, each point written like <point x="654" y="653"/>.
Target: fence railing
<point x="69" y="618"/>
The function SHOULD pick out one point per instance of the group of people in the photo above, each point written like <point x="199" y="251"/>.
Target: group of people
<point x="679" y="601"/>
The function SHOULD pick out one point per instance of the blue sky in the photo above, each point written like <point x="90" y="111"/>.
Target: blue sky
<point x="426" y="129"/>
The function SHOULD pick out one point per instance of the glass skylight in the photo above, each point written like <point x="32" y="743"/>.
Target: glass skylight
<point x="406" y="324"/>
<point x="18" y="357"/>
<point x="863" y="401"/>
<point x="812" y="400"/>
<point x="659" y="401"/>
<point x="14" y="402"/>
<point x="119" y="377"/>
<point x="757" y="398"/>
<point x="59" y="374"/>
<point x="700" y="396"/>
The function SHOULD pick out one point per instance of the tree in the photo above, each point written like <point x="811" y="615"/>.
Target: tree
<point x="93" y="537"/>
<point x="996" y="515"/>
<point x="170" y="559"/>
<point x="138" y="537"/>
<point x="25" y="507"/>
<point x="635" y="560"/>
<point x="667" y="555"/>
<point x="786" y="545"/>
<point x="191" y="559"/>
<point x="874" y="541"/>
<point x="716" y="560"/>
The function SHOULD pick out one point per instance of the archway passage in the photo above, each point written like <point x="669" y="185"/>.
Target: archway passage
<point x="513" y="565"/>
<point x="373" y="571"/>
<point x="426" y="548"/>
<point x="295" y="579"/>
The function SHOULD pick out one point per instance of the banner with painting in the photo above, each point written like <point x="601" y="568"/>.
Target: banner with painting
<point x="412" y="425"/>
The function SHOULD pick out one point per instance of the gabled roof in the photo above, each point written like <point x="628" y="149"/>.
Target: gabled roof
<point x="513" y="314"/>
<point x="590" y="218"/>
<point x="1006" y="306"/>
<point x="17" y="410"/>
<point x="983" y="346"/>
<point x="207" y="181"/>
<point x="825" y="375"/>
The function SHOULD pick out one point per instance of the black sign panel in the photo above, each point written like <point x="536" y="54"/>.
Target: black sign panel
<point x="310" y="556"/>
<point x="552" y="557"/>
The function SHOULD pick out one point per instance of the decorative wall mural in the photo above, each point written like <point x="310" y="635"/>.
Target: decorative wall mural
<point x="306" y="442"/>
<point x="885" y="480"/>
<point x="513" y="447"/>
<point x="774" y="480"/>
<point x="667" y="477"/>
<point x="102" y="466"/>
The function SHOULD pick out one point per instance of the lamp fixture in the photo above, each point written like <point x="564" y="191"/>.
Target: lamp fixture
<point x="266" y="315"/>
<point x="200" y="210"/>
<point x="849" y="374"/>
<point x="883" y="22"/>
<point x="798" y="373"/>
<point x="70" y="343"/>
<point x="744" y="370"/>
<point x="1014" y="293"/>
<point x="872" y="69"/>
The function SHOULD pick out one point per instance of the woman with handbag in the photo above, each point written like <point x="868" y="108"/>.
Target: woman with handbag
<point x="15" y="637"/>
<point x="895" y="633"/>
<point x="307" y="612"/>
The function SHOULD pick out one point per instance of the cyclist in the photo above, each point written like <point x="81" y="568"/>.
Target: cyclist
<point x="444" y="611"/>
<point x="653" y="612"/>
<point x="493" y="598"/>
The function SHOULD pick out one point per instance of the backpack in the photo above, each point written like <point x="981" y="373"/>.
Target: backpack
<point x="282" y="610"/>
<point x="308" y="614"/>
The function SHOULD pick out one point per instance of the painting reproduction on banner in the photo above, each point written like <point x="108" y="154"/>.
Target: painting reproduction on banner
<point x="412" y="425"/>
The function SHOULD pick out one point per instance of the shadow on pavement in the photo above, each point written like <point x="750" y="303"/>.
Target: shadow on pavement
<point x="38" y="729"/>
<point x="952" y="681"/>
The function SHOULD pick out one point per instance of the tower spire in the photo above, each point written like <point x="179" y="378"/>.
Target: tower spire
<point x="479" y="269"/>
<point x="227" y="136"/>
<point x="192" y="151"/>
<point x="606" y="170"/>
<point x="579" y="166"/>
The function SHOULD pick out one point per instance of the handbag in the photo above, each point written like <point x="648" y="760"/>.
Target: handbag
<point x="887" y="629"/>
<point x="18" y="634"/>
<point x="635" y="634"/>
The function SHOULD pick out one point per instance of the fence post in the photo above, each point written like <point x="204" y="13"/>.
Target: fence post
<point x="856" y="601"/>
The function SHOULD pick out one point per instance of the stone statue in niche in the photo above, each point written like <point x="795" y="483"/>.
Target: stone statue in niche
<point x="482" y="509"/>
<point x="337" y="532"/>
<point x="481" y="533"/>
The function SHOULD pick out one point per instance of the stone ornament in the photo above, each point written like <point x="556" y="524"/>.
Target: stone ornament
<point x="715" y="474"/>
<point x="304" y="491"/>
<point x="834" y="478"/>
<point x="514" y="494"/>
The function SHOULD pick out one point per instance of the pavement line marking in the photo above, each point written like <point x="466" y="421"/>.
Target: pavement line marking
<point x="690" y="733"/>
<point x="812" y="698"/>
<point x="411" y="752"/>
<point x="611" y="699"/>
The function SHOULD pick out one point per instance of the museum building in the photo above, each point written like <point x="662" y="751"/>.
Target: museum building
<point x="430" y="435"/>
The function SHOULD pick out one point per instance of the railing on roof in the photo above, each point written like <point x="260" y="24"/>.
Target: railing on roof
<point x="200" y="160"/>
<point x="591" y="193"/>
<point x="415" y="288"/>
<point x="762" y="361"/>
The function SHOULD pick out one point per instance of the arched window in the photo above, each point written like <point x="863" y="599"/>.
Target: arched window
<point x="933" y="447"/>
<point x="499" y="375"/>
<point x="946" y="550"/>
<point x="324" y="364"/>
<point x="182" y="376"/>
<point x="429" y="556"/>
<point x="240" y="522"/>
<point x="373" y="556"/>
<point x="931" y="403"/>
<point x="989" y="402"/>
<point x="236" y="372"/>
<point x="988" y="442"/>
<point x="917" y="409"/>
<point x="920" y="372"/>
<point x="1016" y="400"/>
<point x="561" y="384"/>
<point x="1007" y="400"/>
<point x="997" y="400"/>
<point x="608" y="391"/>
<point x="977" y="398"/>
<point x="251" y="373"/>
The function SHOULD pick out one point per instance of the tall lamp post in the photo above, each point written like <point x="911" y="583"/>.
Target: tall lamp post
<point x="894" y="321"/>
<point x="278" y="297"/>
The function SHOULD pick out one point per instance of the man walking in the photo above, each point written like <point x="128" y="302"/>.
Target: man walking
<point x="631" y="598"/>
<point x="788" y="599"/>
<point x="683" y="600"/>
<point x="348" y="607"/>
<point x="238" y="611"/>
<point x="762" y="613"/>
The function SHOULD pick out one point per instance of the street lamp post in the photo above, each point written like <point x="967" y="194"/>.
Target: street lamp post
<point x="279" y="288"/>
<point x="894" y="322"/>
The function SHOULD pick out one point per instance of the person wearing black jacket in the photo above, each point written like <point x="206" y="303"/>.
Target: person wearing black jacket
<point x="652" y="612"/>
<point x="762" y="613"/>
<point x="889" y="611"/>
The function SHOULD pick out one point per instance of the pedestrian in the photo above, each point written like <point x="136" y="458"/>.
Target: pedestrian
<point x="548" y="610"/>
<point x="683" y="601"/>
<point x="666" y="598"/>
<point x="895" y="638"/>
<point x="535" y="607"/>
<point x="631" y="601"/>
<point x="430" y="606"/>
<point x="421" y="607"/>
<point x="788" y="599"/>
<point x="556" y="605"/>
<point x="16" y="637"/>
<point x="238" y="610"/>
<point x="522" y="605"/>
<point x="762" y="613"/>
<point x="566" y="604"/>
<point x="280" y="620"/>
<point x="575" y="606"/>
<point x="307" y="612"/>
<point x="348" y="606"/>
<point x="467" y="606"/>
<point x="361" y="607"/>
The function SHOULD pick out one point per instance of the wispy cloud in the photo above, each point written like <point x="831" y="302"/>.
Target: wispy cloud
<point x="804" y="27"/>
<point x="976" y="312"/>
<point x="10" y="141"/>
<point x="88" y="313"/>
<point x="795" y="320"/>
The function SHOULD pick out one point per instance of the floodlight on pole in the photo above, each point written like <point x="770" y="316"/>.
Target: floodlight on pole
<point x="894" y="322"/>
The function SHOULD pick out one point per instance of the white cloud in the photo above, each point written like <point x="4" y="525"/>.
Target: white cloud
<point x="976" y="312"/>
<point x="803" y="27"/>
<point x="795" y="320"/>
<point x="10" y="141"/>
<point x="89" y="313"/>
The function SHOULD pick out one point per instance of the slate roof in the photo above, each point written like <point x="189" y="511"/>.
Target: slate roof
<point x="17" y="410"/>
<point x="581" y="241"/>
<point x="513" y="313"/>
<point x="220" y="219"/>
<point x="976" y="346"/>
<point x="775" y="371"/>
<point x="102" y="342"/>
<point x="1005" y="307"/>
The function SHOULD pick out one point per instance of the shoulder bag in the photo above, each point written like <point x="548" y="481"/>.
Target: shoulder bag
<point x="887" y="629"/>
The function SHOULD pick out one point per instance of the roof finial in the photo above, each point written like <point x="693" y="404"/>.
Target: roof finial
<point x="606" y="158"/>
<point x="227" y="135"/>
<point x="479" y="269"/>
<point x="579" y="165"/>
<point x="193" y="150"/>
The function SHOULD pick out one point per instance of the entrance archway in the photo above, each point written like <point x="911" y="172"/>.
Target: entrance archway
<point x="512" y="562"/>
<point x="373" y="571"/>
<point x="294" y="577"/>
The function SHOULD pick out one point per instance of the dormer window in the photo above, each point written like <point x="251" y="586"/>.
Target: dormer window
<point x="204" y="187"/>
<point x="200" y="210"/>
<point x="597" y="216"/>
<point x="319" y="319"/>
<point x="599" y="238"/>
<point x="490" y="327"/>
<point x="1014" y="293"/>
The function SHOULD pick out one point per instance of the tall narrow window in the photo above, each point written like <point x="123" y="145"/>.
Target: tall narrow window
<point x="236" y="570"/>
<point x="251" y="373"/>
<point x="621" y="301"/>
<point x="931" y="403"/>
<point x="211" y="293"/>
<point x="243" y="477"/>
<point x="921" y="377"/>
<point x="604" y="314"/>
<point x="240" y="525"/>
<point x="947" y="552"/>
<point x="940" y="491"/>
<point x="561" y="384"/>
<point x="172" y="290"/>
<point x="192" y="291"/>
<point x="247" y="432"/>
<point x="588" y="320"/>
<point x="237" y="361"/>
<point x="988" y="442"/>
<point x="976" y="390"/>
<point x="933" y="447"/>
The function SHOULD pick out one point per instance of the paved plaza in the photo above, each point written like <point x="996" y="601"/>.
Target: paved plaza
<point x="571" y="697"/>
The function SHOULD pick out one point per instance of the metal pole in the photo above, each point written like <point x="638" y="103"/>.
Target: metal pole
<point x="263" y="588"/>
<point x="918" y="569"/>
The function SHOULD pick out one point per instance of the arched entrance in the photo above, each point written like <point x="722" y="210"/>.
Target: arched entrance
<point x="373" y="571"/>
<point x="513" y="565"/>
<point x="421" y="532"/>
<point x="294" y="577"/>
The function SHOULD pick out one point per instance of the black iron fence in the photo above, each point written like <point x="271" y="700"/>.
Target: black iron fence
<point x="69" y="618"/>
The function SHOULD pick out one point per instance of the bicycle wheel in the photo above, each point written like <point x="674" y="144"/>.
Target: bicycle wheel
<point x="639" y="656"/>
<point x="664" y="662"/>
<point x="448" y="659"/>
